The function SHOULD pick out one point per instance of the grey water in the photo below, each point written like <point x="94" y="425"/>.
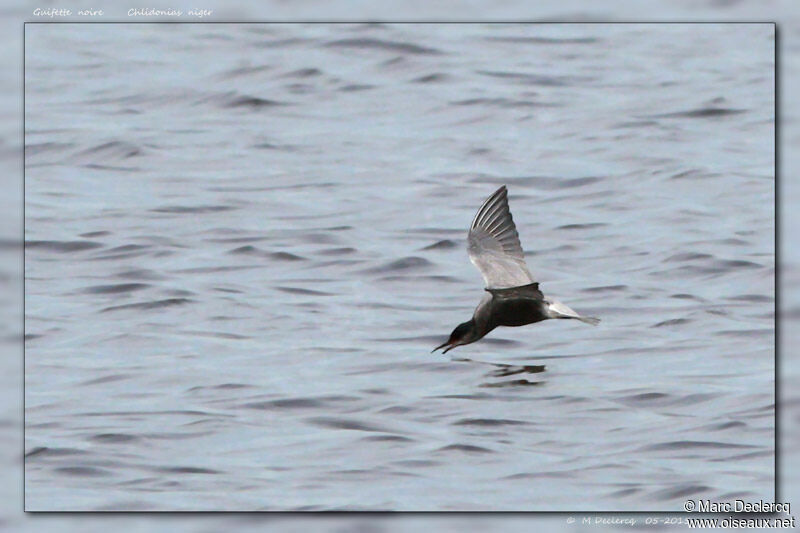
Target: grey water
<point x="242" y="242"/>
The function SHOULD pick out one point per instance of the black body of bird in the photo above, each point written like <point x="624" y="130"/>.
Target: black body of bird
<point x="512" y="295"/>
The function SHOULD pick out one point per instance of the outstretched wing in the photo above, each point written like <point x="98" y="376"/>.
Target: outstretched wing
<point x="494" y="245"/>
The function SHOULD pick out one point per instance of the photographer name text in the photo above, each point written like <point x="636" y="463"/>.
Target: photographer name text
<point x="737" y="506"/>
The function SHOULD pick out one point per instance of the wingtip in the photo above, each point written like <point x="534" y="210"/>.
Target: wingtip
<point x="500" y="191"/>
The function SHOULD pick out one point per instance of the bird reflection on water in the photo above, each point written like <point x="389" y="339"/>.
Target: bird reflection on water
<point x="502" y="370"/>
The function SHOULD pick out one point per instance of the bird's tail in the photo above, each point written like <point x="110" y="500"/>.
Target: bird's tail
<point x="558" y="309"/>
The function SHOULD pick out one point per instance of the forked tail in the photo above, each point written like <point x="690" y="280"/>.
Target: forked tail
<point x="589" y="320"/>
<point x="556" y="309"/>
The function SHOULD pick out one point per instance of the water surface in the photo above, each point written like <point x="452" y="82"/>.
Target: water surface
<point x="242" y="242"/>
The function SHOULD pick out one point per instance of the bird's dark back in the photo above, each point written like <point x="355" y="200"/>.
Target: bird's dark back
<point x="517" y="306"/>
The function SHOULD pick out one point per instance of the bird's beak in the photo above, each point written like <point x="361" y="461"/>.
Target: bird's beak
<point x="442" y="346"/>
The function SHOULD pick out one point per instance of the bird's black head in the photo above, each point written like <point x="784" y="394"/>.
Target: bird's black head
<point x="463" y="334"/>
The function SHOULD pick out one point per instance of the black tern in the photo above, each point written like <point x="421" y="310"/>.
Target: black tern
<point x="512" y="295"/>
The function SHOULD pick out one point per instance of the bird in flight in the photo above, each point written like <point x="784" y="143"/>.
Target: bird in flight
<point x="512" y="295"/>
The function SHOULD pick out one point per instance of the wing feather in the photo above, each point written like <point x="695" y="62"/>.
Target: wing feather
<point x="494" y="245"/>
